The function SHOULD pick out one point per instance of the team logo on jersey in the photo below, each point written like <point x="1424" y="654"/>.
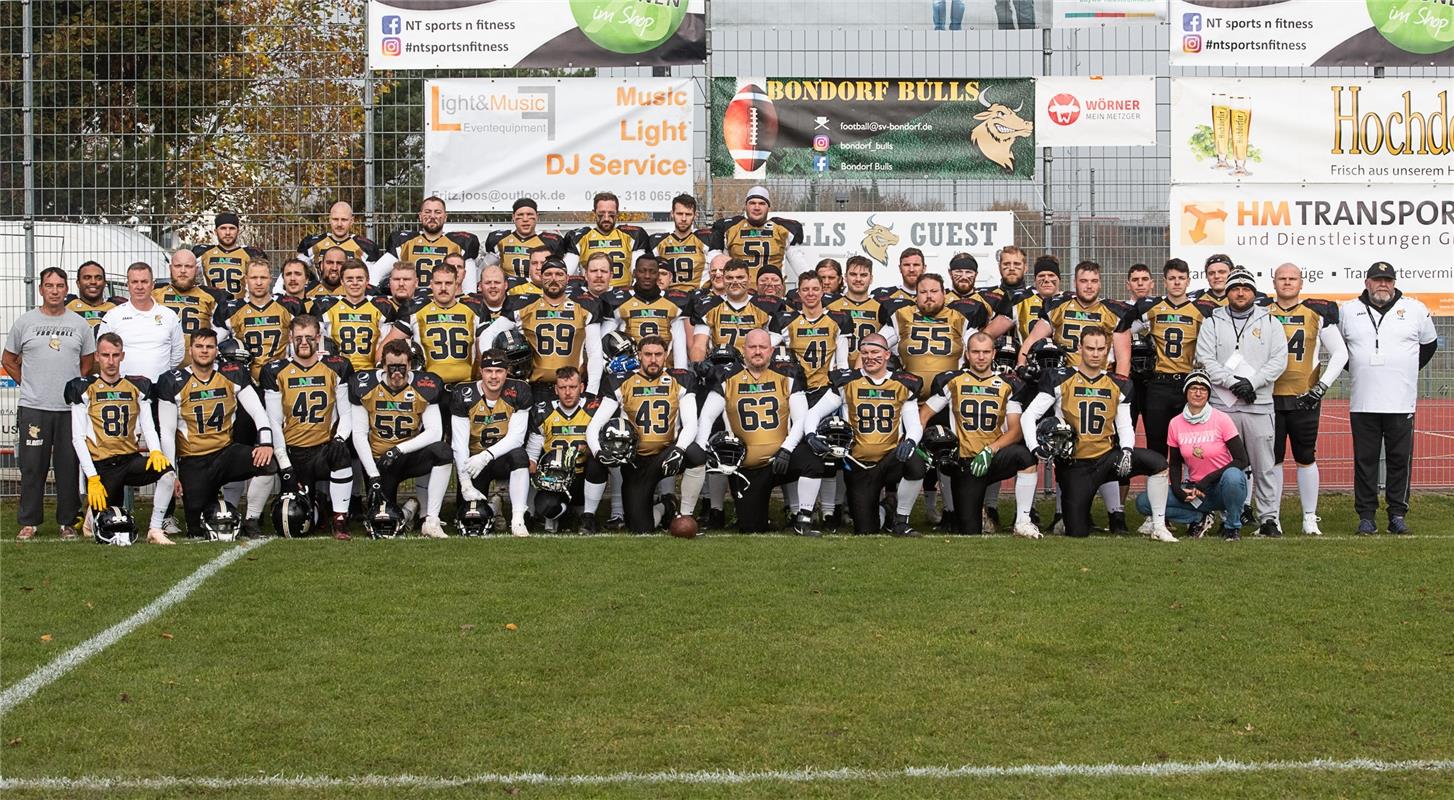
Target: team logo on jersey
<point x="206" y="394"/>
<point x="354" y="317"/>
<point x="304" y="382"/>
<point x="875" y="394"/>
<point x="1083" y="316"/>
<point x="823" y="331"/>
<point x="1091" y="391"/>
<point x="757" y="388"/>
<point x="680" y="250"/>
<point x="115" y="396"/>
<point x="975" y="388"/>
<point x="262" y="321"/>
<point x="1289" y="319"/>
<point x="1174" y="319"/>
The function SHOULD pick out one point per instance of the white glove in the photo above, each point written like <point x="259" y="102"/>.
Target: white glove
<point x="477" y="463"/>
<point x="469" y="492"/>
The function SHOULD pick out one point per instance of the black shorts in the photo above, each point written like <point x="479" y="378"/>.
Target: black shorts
<point x="311" y="465"/>
<point x="1299" y="426"/>
<point x="1164" y="399"/>
<point x="203" y="477"/>
<point x="1080" y="478"/>
<point x="119" y="472"/>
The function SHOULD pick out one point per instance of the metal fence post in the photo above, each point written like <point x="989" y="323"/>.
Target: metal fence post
<point x="368" y="143"/>
<point x="27" y="111"/>
<point x="1047" y="51"/>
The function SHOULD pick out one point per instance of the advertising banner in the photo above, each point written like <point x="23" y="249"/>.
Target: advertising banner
<point x="506" y="34"/>
<point x="1334" y="232"/>
<point x="489" y="141"/>
<point x="942" y="15"/>
<point x="1318" y="130"/>
<point x="1081" y="13"/>
<point x="1312" y="33"/>
<point x="1095" y="111"/>
<point x="973" y="128"/>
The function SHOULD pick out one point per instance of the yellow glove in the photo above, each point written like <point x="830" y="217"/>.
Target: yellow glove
<point x="156" y="461"/>
<point x="95" y="493"/>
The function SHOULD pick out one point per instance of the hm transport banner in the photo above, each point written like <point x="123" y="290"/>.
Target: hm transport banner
<point x="974" y="128"/>
<point x="1312" y="33"/>
<point x="1318" y="130"/>
<point x="490" y="141"/>
<point x="1095" y="111"/>
<point x="1334" y="232"/>
<point x="508" y="34"/>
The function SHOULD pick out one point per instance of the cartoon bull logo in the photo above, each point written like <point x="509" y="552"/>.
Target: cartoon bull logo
<point x="878" y="239"/>
<point x="998" y="129"/>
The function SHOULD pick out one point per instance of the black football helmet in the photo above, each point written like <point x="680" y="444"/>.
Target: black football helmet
<point x="835" y="437"/>
<point x="556" y="470"/>
<point x="234" y="352"/>
<point x="517" y="352"/>
<point x="475" y="517"/>
<point x="1006" y="355"/>
<point x="724" y="355"/>
<point x="1057" y="437"/>
<point x="1047" y="355"/>
<point x="941" y="445"/>
<point x="384" y="521"/>
<point x="725" y="452"/>
<point x="617" y="343"/>
<point x="220" y="521"/>
<point x="1143" y="356"/>
<point x="618" y="443"/>
<point x="294" y="514"/>
<point x="114" y="526"/>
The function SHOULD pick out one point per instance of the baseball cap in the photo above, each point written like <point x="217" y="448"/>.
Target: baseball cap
<point x="1381" y="269"/>
<point x="758" y="191"/>
<point x="1197" y="377"/>
<point x="1241" y="277"/>
<point x="963" y="261"/>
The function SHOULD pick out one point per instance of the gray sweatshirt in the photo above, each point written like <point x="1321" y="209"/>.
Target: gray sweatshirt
<point x="1259" y="355"/>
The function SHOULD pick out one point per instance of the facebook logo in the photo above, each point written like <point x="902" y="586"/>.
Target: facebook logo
<point x="820" y="163"/>
<point x="391" y="24"/>
<point x="1191" y="22"/>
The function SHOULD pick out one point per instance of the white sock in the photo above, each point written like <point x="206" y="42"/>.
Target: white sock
<point x="808" y="491"/>
<point x="1025" y="484"/>
<point x="1158" y="486"/>
<point x="908" y="495"/>
<point x="593" y="494"/>
<point x="340" y="486"/>
<point x="827" y="494"/>
<point x="166" y="485"/>
<point x="1111" y="496"/>
<point x="519" y="492"/>
<point x="790" y="495"/>
<point x="717" y="490"/>
<point x="259" y="489"/>
<point x="1307" y="487"/>
<point x="692" y="481"/>
<point x="438" y="488"/>
<point x="617" y="510"/>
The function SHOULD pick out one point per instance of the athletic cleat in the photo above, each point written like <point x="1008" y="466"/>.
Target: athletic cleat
<point x="432" y="529"/>
<point x="1230" y="534"/>
<point x="1027" y="530"/>
<point x="833" y="520"/>
<point x="158" y="536"/>
<point x="252" y="528"/>
<point x="1310" y="525"/>
<point x="170" y="527"/>
<point x="518" y="529"/>
<point x="1366" y="527"/>
<point x="588" y="523"/>
<point x="551" y="525"/>
<point x="340" y="527"/>
<point x="1145" y="529"/>
<point x="1199" y="529"/>
<point x="1159" y="533"/>
<point x="902" y="528"/>
<point x="1269" y="529"/>
<point x="1397" y="526"/>
<point x="803" y="524"/>
<point x="1116" y="520"/>
<point x="669" y="506"/>
<point x="616" y="522"/>
<point x="410" y="512"/>
<point x="25" y="534"/>
<point x="68" y="533"/>
<point x="716" y="519"/>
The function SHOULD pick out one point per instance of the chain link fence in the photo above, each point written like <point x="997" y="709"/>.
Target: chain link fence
<point x="128" y="124"/>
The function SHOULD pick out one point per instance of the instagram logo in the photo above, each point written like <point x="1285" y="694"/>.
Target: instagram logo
<point x="393" y="46"/>
<point x="1191" y="44"/>
<point x="820" y="143"/>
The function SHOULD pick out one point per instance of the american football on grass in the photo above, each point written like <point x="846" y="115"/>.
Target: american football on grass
<point x="683" y="527"/>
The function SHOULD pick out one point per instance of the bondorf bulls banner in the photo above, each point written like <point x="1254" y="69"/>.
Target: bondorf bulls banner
<point x="873" y="127"/>
<point x="488" y="141"/>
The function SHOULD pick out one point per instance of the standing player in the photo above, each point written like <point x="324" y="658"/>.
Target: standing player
<point x="724" y="320"/>
<point x="911" y="268"/>
<point x="1021" y="307"/>
<point x="1097" y="408"/>
<point x="1311" y="326"/>
<point x="1065" y="318"/>
<point x="620" y="243"/>
<point x="339" y="234"/>
<point x="109" y="413"/>
<point x="818" y="338"/>
<point x="426" y="246"/>
<point x="1217" y="269"/>
<point x="489" y="420"/>
<point x="397" y="432"/>
<point x="881" y="409"/>
<point x="194" y="304"/>
<point x="1012" y="269"/>
<point x="561" y="332"/>
<point x="446" y="328"/>
<point x="645" y="310"/>
<point x="758" y="240"/>
<point x="306" y="398"/>
<point x="860" y="308"/>
<point x="258" y="320"/>
<point x="511" y="249"/>
<point x="222" y="265"/>
<point x="682" y="251"/>
<point x="930" y="335"/>
<point x="199" y="407"/>
<point x="90" y="299"/>
<point x="295" y="280"/>
<point x="355" y="323"/>
<point x="767" y="409"/>
<point x="660" y="406"/>
<point x="557" y="426"/>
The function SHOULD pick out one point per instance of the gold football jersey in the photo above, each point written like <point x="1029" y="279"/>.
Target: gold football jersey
<point x="92" y="314"/>
<point x="427" y="252"/>
<point x="263" y="330"/>
<point x="556" y="331"/>
<point x="208" y="408"/>
<point x="640" y="317"/>
<point x="758" y="245"/>
<point x="1089" y="404"/>
<point x="114" y="410"/>
<point x="447" y="336"/>
<point x="813" y="341"/>
<point x="561" y="429"/>
<point x="308" y="397"/>
<point x="933" y="343"/>
<point x="756" y="409"/>
<point x="1023" y="307"/>
<point x="619" y="245"/>
<point x="354" y="329"/>
<point x="979" y="406"/>
<point x="1172" y="328"/>
<point x="730" y="325"/>
<point x="223" y="269"/>
<point x="1068" y="316"/>
<point x="195" y="307"/>
<point x="1302" y="323"/>
<point x="873" y="411"/>
<point x="862" y="318"/>
<point x="651" y="406"/>
<point x="394" y="416"/>
<point x="357" y="247"/>
<point x="685" y="256"/>
<point x="514" y="249"/>
<point x="489" y="419"/>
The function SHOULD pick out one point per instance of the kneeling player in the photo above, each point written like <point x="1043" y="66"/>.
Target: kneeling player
<point x="767" y="409"/>
<point x="489" y="420"/>
<point x="106" y="413"/>
<point x="559" y="426"/>
<point x="984" y="410"/>
<point x="397" y="431"/>
<point x="1097" y="407"/>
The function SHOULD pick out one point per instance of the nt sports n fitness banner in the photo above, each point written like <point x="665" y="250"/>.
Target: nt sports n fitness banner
<point x="506" y="34"/>
<point x="873" y="127"/>
<point x="1312" y="33"/>
<point x="1317" y="130"/>
<point x="489" y="141"/>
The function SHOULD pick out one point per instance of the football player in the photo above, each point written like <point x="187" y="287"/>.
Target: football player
<point x="1021" y="308"/>
<point x="830" y="272"/>
<point x="769" y="285"/>
<point x="557" y="426"/>
<point x="620" y="243"/>
<point x="645" y="310"/>
<point x="984" y="412"/>
<point x="963" y="272"/>
<point x="306" y="398"/>
<point x="759" y="240"/>
<point x="1097" y="407"/>
<point x="426" y="246"/>
<point x="682" y="251"/>
<point x="493" y="294"/>
<point x="1217" y="269"/>
<point x="294" y="276"/>
<point x="1065" y="317"/>
<point x="490" y="418"/>
<point x="404" y="285"/>
<point x="193" y="303"/>
<point x="355" y="322"/>
<point x="511" y="249"/>
<point x="1012" y="269"/>
<point x="222" y="265"/>
<point x="857" y="304"/>
<point x="259" y="320"/>
<point x="911" y="267"/>
<point x="90" y="300"/>
<point x="446" y="328"/>
<point x="882" y="411"/>
<point x="109" y="413"/>
<point x="1297" y="396"/>
<point x="339" y="234"/>
<point x="398" y="433"/>
<point x="724" y="320"/>
<point x="199" y="406"/>
<point x="818" y="338"/>
<point x="561" y="332"/>
<point x="330" y="273"/>
<point x="597" y="278"/>
<point x="1139" y="283"/>
<point x="531" y="285"/>
<point x="766" y="408"/>
<point x="930" y="335"/>
<point x="660" y="406"/>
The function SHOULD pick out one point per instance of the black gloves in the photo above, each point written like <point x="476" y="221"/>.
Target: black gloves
<point x="781" y="460"/>
<point x="1244" y="391"/>
<point x="1312" y="398"/>
<point x="390" y="458"/>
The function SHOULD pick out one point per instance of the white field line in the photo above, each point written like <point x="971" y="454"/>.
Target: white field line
<point x="69" y="660"/>
<point x="730" y="778"/>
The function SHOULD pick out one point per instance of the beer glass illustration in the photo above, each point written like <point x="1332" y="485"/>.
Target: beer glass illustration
<point x="1221" y="130"/>
<point x="1241" y="114"/>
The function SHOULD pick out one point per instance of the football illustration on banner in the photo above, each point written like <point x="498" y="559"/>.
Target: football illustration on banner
<point x="749" y="129"/>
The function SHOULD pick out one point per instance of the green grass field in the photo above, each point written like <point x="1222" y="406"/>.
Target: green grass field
<point x="742" y="654"/>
